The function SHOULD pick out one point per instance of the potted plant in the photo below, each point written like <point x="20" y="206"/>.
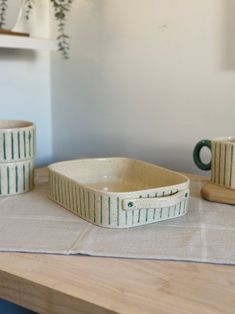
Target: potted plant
<point x="10" y="11"/>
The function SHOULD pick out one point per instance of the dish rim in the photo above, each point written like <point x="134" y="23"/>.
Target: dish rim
<point x="179" y="186"/>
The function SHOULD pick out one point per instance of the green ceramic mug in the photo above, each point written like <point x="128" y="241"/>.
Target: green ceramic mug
<point x="222" y="164"/>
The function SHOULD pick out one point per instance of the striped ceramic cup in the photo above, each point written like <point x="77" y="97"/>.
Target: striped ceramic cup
<point x="17" y="140"/>
<point x="16" y="177"/>
<point x="17" y="153"/>
<point x="222" y="164"/>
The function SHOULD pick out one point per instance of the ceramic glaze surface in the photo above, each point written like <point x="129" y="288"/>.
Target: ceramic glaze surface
<point x="222" y="163"/>
<point x="16" y="178"/>
<point x="17" y="141"/>
<point x="118" y="192"/>
<point x="17" y="153"/>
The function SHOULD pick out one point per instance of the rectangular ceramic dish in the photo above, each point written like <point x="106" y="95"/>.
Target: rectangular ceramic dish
<point x="118" y="192"/>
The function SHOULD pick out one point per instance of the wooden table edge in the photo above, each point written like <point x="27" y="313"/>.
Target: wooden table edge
<point x="16" y="287"/>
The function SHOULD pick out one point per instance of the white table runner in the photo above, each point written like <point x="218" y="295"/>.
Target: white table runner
<point x="32" y="223"/>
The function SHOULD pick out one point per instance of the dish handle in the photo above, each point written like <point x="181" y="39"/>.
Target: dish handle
<point x="155" y="202"/>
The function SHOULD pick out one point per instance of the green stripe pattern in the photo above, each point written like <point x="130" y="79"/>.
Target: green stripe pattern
<point x="17" y="145"/>
<point x="104" y="209"/>
<point x="16" y="178"/>
<point x="223" y="164"/>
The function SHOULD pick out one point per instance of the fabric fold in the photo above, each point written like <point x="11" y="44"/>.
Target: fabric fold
<point x="32" y="223"/>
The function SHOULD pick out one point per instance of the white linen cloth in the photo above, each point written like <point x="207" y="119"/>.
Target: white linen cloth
<point x="31" y="222"/>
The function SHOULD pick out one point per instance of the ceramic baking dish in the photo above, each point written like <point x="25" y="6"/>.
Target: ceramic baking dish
<point x="118" y="192"/>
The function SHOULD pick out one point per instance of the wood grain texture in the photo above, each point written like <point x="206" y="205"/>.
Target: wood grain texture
<point x="82" y="284"/>
<point x="9" y="32"/>
<point x="217" y="193"/>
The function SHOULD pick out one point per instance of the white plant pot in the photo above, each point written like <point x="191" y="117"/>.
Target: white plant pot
<point x="14" y="9"/>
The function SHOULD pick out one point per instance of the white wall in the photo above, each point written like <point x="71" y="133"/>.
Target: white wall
<point x="146" y="79"/>
<point x="25" y="83"/>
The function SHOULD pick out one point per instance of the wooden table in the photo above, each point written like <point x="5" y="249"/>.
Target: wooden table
<point x="82" y="284"/>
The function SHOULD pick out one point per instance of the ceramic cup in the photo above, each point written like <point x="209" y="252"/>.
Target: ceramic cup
<point x="17" y="140"/>
<point x="16" y="177"/>
<point x="17" y="153"/>
<point x="222" y="164"/>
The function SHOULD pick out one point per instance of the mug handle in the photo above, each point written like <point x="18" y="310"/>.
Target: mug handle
<point x="196" y="154"/>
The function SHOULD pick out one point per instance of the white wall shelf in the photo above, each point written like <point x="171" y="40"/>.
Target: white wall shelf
<point x="21" y="42"/>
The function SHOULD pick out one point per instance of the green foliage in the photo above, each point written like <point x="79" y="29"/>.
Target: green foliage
<point x="61" y="9"/>
<point x="3" y="9"/>
<point x="28" y="8"/>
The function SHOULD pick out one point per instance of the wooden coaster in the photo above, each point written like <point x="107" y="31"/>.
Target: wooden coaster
<point x="216" y="193"/>
<point x="8" y="32"/>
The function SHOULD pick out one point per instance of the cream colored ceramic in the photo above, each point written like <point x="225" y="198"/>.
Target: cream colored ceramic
<point x="17" y="140"/>
<point x="12" y="14"/>
<point x="16" y="177"/>
<point x="222" y="163"/>
<point x="118" y="192"/>
<point x="17" y="153"/>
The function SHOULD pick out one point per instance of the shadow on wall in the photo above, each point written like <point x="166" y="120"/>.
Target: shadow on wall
<point x="91" y="23"/>
<point x="229" y="37"/>
<point x="97" y="7"/>
<point x="8" y="54"/>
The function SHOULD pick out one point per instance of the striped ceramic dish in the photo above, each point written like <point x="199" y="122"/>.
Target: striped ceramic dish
<point x="16" y="178"/>
<point x="118" y="192"/>
<point x="17" y="140"/>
